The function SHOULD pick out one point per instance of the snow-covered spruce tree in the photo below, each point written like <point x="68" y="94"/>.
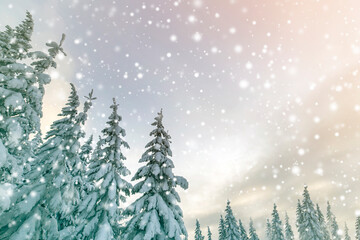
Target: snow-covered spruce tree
<point x="329" y="218"/>
<point x="47" y="199"/>
<point x="221" y="229"/>
<point x="322" y="222"/>
<point x="156" y="214"/>
<point x="268" y="230"/>
<point x="332" y="223"/>
<point x="357" y="228"/>
<point x="209" y="234"/>
<point x="310" y="227"/>
<point x="335" y="230"/>
<point x="60" y="156"/>
<point x="21" y="91"/>
<point x="100" y="211"/>
<point x="252" y="231"/>
<point x="346" y="233"/>
<point x="231" y="227"/>
<point x="276" y="226"/>
<point x="198" y="233"/>
<point x="243" y="234"/>
<point x="289" y="234"/>
<point x="299" y="217"/>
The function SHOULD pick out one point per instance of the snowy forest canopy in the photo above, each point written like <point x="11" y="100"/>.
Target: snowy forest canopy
<point x="56" y="188"/>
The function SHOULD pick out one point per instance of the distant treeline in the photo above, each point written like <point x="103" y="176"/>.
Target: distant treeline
<point x="311" y="224"/>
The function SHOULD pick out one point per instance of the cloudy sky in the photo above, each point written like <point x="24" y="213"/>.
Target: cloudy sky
<point x="260" y="97"/>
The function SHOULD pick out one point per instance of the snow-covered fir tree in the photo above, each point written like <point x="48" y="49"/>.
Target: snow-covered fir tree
<point x="335" y="230"/>
<point x="21" y="91"/>
<point x="221" y="229"/>
<point x="46" y="201"/>
<point x="299" y="217"/>
<point x="357" y="228"/>
<point x="232" y="231"/>
<point x="268" y="230"/>
<point x="198" y="233"/>
<point x="252" y="231"/>
<point x="209" y="234"/>
<point x="346" y="233"/>
<point x="289" y="234"/>
<point x="100" y="211"/>
<point x="332" y="223"/>
<point x="310" y="226"/>
<point x="156" y="214"/>
<point x="322" y="222"/>
<point x="243" y="234"/>
<point x="276" y="226"/>
<point x="60" y="154"/>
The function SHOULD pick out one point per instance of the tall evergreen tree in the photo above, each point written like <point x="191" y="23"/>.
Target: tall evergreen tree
<point x="221" y="229"/>
<point x="310" y="227"/>
<point x="252" y="231"/>
<point x="198" y="233"/>
<point x="209" y="234"/>
<point x="346" y="233"/>
<point x="289" y="234"/>
<point x="231" y="228"/>
<point x="322" y="222"/>
<point x="46" y="202"/>
<point x="332" y="223"/>
<point x="268" y="230"/>
<point x="357" y="228"/>
<point x="329" y="217"/>
<point x="21" y="91"/>
<point x="299" y="217"/>
<point x="335" y="230"/>
<point x="243" y="234"/>
<point x="156" y="214"/>
<point x="276" y="226"/>
<point x="101" y="208"/>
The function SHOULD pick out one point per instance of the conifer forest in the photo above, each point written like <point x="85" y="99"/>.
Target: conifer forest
<point x="179" y="120"/>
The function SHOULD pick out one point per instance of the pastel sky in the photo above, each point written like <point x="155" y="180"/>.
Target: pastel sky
<point x="260" y="97"/>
